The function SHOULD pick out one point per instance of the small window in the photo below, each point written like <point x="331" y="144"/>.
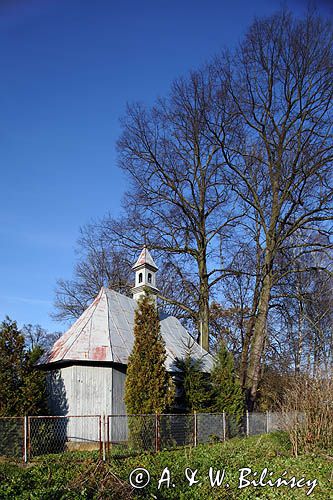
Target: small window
<point x="149" y="278"/>
<point x="140" y="278"/>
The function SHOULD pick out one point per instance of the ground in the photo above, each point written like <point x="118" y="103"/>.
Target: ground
<point x="81" y="475"/>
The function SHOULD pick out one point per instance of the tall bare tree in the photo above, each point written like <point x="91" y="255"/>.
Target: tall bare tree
<point x="278" y="148"/>
<point x="230" y="182"/>
<point x="306" y="307"/>
<point x="176" y="169"/>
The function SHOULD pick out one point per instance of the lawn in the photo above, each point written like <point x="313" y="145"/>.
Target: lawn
<point x="81" y="475"/>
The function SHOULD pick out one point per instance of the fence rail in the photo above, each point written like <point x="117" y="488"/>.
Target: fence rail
<point x="28" y="438"/>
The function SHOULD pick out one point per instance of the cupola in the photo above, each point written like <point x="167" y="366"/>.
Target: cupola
<point x="145" y="275"/>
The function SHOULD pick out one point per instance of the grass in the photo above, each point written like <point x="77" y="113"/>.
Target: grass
<point x="80" y="475"/>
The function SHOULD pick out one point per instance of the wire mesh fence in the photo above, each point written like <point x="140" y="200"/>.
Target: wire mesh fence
<point x="211" y="427"/>
<point x="127" y="434"/>
<point x="122" y="435"/>
<point x="56" y="434"/>
<point x="130" y="434"/>
<point x="134" y="432"/>
<point x="257" y="423"/>
<point x="175" y="430"/>
<point x="275" y="421"/>
<point x="12" y="443"/>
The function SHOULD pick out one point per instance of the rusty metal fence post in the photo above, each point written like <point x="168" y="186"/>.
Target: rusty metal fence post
<point x="103" y="438"/>
<point x="108" y="434"/>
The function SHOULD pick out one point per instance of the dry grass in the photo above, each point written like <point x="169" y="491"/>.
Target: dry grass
<point x="100" y="481"/>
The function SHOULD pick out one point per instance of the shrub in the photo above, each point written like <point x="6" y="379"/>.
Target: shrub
<point x="308" y="413"/>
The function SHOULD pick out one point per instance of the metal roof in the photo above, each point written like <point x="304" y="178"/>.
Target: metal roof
<point x="145" y="258"/>
<point x="104" y="332"/>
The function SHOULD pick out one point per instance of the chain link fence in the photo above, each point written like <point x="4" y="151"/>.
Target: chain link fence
<point x="12" y="434"/>
<point x="257" y="423"/>
<point x="135" y="433"/>
<point x="56" y="434"/>
<point x="215" y="427"/>
<point x="210" y="427"/>
<point x="176" y="430"/>
<point x="132" y="433"/>
<point x="28" y="438"/>
<point x="128" y="434"/>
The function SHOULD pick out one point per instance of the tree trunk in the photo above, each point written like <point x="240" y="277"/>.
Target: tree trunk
<point x="258" y="340"/>
<point x="245" y="351"/>
<point x="251" y="321"/>
<point x="299" y="347"/>
<point x="203" y="314"/>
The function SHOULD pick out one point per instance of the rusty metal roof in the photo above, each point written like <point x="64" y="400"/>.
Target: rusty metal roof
<point x="145" y="258"/>
<point x="104" y="332"/>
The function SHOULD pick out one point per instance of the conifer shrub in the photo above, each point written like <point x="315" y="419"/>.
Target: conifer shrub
<point x="22" y="387"/>
<point x="227" y="392"/>
<point x="148" y="387"/>
<point x="194" y="385"/>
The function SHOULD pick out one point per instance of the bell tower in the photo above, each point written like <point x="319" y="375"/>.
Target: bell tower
<point x="145" y="275"/>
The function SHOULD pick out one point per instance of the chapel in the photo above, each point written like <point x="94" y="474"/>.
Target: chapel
<point x="87" y="364"/>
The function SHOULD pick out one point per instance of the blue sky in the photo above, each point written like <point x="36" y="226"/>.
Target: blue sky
<point x="67" y="70"/>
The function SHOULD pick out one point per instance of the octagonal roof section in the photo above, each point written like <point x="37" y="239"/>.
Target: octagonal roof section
<point x="105" y="333"/>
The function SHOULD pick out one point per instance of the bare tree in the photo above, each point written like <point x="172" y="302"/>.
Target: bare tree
<point x="99" y="264"/>
<point x="176" y="168"/>
<point x="106" y="259"/>
<point x="36" y="336"/>
<point x="230" y="182"/>
<point x="278" y="148"/>
<point x="303" y="301"/>
<point x="318" y="316"/>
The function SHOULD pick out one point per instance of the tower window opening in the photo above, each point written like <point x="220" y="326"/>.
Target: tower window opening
<point x="140" y="278"/>
<point x="149" y="278"/>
